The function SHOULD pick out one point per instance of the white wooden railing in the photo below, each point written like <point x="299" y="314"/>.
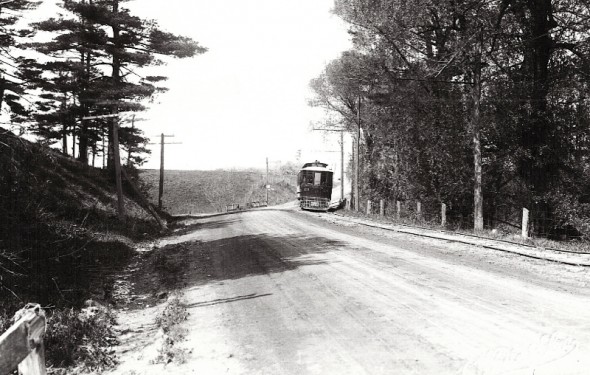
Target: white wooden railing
<point x="22" y="345"/>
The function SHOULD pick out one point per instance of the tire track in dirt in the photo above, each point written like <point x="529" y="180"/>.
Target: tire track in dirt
<point x="277" y="292"/>
<point x="519" y="322"/>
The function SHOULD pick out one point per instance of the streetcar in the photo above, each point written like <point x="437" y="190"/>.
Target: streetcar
<point x="314" y="186"/>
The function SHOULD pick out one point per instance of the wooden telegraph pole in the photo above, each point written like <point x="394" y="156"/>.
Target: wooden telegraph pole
<point x="341" y="157"/>
<point x="267" y="186"/>
<point x="341" y="166"/>
<point x="117" y="160"/>
<point x="129" y="150"/>
<point x="161" y="186"/>
<point x="357" y="159"/>
<point x="162" y="143"/>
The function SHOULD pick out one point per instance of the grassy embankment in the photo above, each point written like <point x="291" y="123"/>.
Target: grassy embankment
<point x="61" y="245"/>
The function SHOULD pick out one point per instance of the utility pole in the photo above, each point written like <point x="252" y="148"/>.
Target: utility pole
<point x="341" y="157"/>
<point x="162" y="143"/>
<point x="341" y="166"/>
<point x="267" y="185"/>
<point x="129" y="150"/>
<point x="357" y="158"/>
<point x="117" y="160"/>
<point x="161" y="187"/>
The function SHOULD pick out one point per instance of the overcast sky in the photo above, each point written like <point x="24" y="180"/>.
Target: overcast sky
<point x="246" y="98"/>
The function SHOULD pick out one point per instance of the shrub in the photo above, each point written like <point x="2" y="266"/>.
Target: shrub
<point x="80" y="337"/>
<point x="169" y="319"/>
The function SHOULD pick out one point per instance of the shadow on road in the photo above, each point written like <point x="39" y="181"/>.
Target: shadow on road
<point x="188" y="223"/>
<point x="193" y="264"/>
<point x="227" y="300"/>
<point x="211" y="224"/>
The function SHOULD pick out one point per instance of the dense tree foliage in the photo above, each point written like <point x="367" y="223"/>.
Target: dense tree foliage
<point x="466" y="100"/>
<point x="11" y="86"/>
<point x="91" y="67"/>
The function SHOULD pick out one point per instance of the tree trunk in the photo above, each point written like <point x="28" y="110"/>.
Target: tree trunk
<point x="83" y="142"/>
<point x="93" y="154"/>
<point x="110" y="164"/>
<point x="476" y="132"/>
<point x="84" y="124"/>
<point x="2" y="89"/>
<point x="538" y="135"/>
<point x="64" y="139"/>
<point x="74" y="140"/>
<point x="116" y="78"/>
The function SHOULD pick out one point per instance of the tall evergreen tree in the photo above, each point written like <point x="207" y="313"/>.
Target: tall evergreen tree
<point x="108" y="46"/>
<point x="11" y="87"/>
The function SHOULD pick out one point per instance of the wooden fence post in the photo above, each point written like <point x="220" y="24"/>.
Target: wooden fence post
<point x="22" y="344"/>
<point x="418" y="210"/>
<point x="369" y="207"/>
<point x="443" y="215"/>
<point x="398" y="209"/>
<point x="382" y="207"/>
<point x="525" y="223"/>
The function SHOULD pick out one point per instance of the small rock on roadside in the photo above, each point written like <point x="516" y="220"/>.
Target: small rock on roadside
<point x="162" y="295"/>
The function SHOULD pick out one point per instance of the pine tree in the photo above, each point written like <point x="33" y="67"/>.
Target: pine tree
<point x="11" y="89"/>
<point x="107" y="46"/>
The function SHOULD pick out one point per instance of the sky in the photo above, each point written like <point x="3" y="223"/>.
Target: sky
<point x="246" y="98"/>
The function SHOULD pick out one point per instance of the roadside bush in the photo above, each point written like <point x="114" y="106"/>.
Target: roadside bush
<point x="572" y="214"/>
<point x="61" y="243"/>
<point x="6" y="317"/>
<point x="174" y="313"/>
<point x="169" y="321"/>
<point x="80" y="337"/>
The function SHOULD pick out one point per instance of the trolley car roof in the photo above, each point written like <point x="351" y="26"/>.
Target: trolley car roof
<point x="316" y="169"/>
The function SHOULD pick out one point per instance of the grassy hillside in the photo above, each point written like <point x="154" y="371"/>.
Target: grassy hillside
<point x="210" y="191"/>
<point x="61" y="244"/>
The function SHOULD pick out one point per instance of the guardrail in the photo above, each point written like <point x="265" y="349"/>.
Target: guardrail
<point x="232" y="207"/>
<point x="22" y="344"/>
<point x="237" y="207"/>
<point x="256" y="204"/>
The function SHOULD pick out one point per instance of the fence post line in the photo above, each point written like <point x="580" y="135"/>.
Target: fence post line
<point x="369" y="207"/>
<point x="398" y="209"/>
<point x="525" y="223"/>
<point x="382" y="207"/>
<point x="443" y="214"/>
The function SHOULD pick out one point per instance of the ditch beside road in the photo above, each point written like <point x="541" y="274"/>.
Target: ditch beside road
<point x="279" y="291"/>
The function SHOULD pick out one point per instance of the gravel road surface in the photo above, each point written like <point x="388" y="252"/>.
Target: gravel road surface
<point x="289" y="292"/>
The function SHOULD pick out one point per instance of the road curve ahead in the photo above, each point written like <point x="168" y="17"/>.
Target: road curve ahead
<point x="286" y="292"/>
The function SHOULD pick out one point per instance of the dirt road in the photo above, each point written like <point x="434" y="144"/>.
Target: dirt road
<point x="285" y="292"/>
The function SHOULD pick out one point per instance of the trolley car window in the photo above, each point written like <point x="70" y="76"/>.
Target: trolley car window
<point x="317" y="178"/>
